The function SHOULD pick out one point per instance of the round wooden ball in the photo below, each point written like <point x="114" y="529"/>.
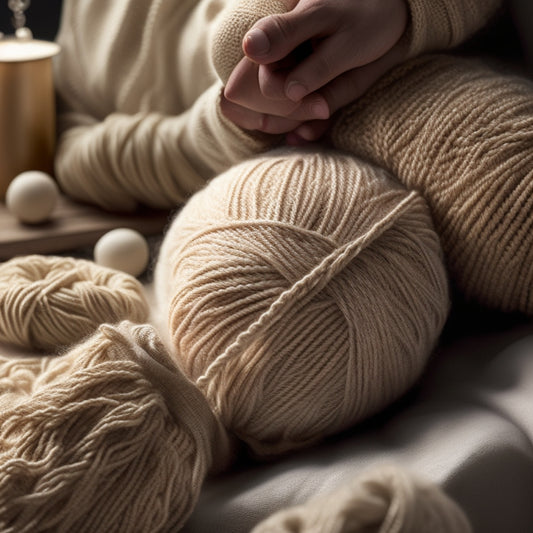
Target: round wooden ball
<point x="123" y="249"/>
<point x="32" y="196"/>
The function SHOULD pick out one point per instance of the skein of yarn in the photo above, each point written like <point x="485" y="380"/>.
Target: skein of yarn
<point x="47" y="302"/>
<point x="461" y="133"/>
<point x="107" y="437"/>
<point x="385" y="499"/>
<point x="304" y="292"/>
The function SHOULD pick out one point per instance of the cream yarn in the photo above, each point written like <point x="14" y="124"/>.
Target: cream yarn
<point x="304" y="292"/>
<point x="49" y="301"/>
<point x="461" y="133"/>
<point x="385" y="499"/>
<point x="108" y="437"/>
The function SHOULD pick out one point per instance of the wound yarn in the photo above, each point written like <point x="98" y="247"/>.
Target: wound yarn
<point x="461" y="133"/>
<point x="48" y="302"/>
<point x="108" y="437"/>
<point x="384" y="499"/>
<point x="304" y="292"/>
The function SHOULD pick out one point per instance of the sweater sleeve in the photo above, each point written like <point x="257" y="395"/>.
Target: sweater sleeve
<point x="149" y="158"/>
<point x="443" y="24"/>
<point x="139" y="115"/>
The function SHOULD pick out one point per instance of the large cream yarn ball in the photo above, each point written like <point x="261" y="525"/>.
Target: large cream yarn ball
<point x="47" y="302"/>
<point x="108" y="437"/>
<point x="304" y="292"/>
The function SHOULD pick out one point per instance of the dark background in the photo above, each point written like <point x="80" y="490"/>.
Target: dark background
<point x="511" y="36"/>
<point x="42" y="18"/>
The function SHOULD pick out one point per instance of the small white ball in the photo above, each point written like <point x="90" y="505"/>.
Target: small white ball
<point x="32" y="196"/>
<point x="123" y="249"/>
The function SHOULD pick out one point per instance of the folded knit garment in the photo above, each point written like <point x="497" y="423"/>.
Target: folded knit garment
<point x="461" y="133"/>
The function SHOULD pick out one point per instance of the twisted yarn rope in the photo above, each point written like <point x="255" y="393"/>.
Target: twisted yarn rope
<point x="304" y="292"/>
<point x="108" y="437"/>
<point x="385" y="499"/>
<point x="461" y="133"/>
<point x="48" y="302"/>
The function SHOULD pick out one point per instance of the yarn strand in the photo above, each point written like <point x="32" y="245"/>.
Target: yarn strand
<point x="311" y="283"/>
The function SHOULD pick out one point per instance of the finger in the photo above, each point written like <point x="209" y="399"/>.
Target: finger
<point x="312" y="131"/>
<point x="272" y="78"/>
<point x="254" y="121"/>
<point x="326" y="63"/>
<point x="276" y="36"/>
<point x="272" y="82"/>
<point x="243" y="88"/>
<point x="352" y="84"/>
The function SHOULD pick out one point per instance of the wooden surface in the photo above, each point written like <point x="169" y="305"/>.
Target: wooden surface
<point x="72" y="226"/>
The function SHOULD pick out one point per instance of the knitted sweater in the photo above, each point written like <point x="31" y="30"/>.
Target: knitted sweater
<point x="139" y="118"/>
<point x="139" y="114"/>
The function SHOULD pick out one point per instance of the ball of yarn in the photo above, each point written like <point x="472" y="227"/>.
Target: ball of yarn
<point x="107" y="437"/>
<point x="460" y="132"/>
<point x="304" y="292"/>
<point x="47" y="302"/>
<point x="385" y="499"/>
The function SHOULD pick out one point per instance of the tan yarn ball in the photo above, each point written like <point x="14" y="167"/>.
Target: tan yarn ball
<point x="47" y="302"/>
<point x="304" y="292"/>
<point x="108" y="437"/>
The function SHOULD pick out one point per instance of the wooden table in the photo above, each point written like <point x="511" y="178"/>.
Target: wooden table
<point x="71" y="227"/>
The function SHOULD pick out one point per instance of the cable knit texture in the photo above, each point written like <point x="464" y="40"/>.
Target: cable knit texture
<point x="304" y="292"/>
<point x="107" y="437"/>
<point x="139" y="116"/>
<point x="462" y="134"/>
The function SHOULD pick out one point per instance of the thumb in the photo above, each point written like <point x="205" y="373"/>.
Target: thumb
<point x="274" y="37"/>
<point x="235" y="21"/>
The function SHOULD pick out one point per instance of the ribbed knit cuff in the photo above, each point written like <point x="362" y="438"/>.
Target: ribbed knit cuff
<point x="443" y="24"/>
<point x="219" y="143"/>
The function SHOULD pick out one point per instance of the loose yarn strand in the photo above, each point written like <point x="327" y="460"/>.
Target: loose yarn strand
<point x="313" y="281"/>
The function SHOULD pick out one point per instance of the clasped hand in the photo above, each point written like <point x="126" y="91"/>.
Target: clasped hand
<point x="301" y="66"/>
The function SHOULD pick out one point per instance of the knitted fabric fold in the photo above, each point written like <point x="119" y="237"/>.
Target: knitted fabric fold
<point x="139" y="112"/>
<point x="444" y="24"/>
<point x="461" y="133"/>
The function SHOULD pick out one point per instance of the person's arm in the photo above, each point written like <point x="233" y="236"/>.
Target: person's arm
<point x="150" y="158"/>
<point x="139" y="111"/>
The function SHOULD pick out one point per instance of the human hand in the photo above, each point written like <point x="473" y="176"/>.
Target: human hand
<point x="324" y="77"/>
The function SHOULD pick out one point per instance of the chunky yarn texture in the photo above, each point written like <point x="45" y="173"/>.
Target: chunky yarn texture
<point x="47" y="302"/>
<point x="461" y="133"/>
<point x="385" y="499"/>
<point x="108" y="437"/>
<point x="304" y="292"/>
